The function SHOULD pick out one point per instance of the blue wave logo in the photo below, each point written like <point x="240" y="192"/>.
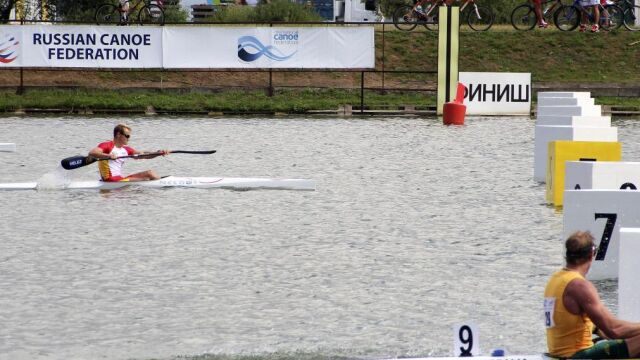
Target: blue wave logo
<point x="8" y="48"/>
<point x="251" y="49"/>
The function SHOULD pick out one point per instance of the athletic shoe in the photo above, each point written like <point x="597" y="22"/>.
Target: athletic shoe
<point x="595" y="28"/>
<point x="583" y="28"/>
<point x="543" y="25"/>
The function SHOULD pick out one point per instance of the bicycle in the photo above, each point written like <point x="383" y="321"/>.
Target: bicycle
<point x="148" y="13"/>
<point x="631" y="19"/>
<point x="568" y="17"/>
<point x="524" y="18"/>
<point x="478" y="17"/>
<point x="406" y="17"/>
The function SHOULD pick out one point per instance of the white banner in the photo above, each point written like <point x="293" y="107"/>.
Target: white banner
<point x="284" y="48"/>
<point x="87" y="46"/>
<point x="497" y="93"/>
<point x="186" y="47"/>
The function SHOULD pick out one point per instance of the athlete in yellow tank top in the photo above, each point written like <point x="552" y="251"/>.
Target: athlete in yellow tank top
<point x="567" y="333"/>
<point x="572" y="306"/>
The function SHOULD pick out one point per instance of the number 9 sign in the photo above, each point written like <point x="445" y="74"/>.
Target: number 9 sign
<point x="465" y="340"/>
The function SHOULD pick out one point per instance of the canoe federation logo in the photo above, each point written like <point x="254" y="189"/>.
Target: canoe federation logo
<point x="251" y="49"/>
<point x="8" y="48"/>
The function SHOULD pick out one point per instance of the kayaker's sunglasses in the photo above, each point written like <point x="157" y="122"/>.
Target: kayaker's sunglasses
<point x="126" y="135"/>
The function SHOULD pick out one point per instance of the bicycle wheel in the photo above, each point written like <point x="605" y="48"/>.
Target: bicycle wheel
<point x="523" y="17"/>
<point x="567" y="18"/>
<point x="611" y="18"/>
<point x="151" y="14"/>
<point x="405" y="18"/>
<point x="480" y="18"/>
<point x="632" y="18"/>
<point x="107" y="14"/>
<point x="432" y="24"/>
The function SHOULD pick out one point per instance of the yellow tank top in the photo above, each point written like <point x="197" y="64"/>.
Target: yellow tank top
<point x="566" y="333"/>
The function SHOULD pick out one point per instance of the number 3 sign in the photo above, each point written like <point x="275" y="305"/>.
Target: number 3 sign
<point x="465" y="340"/>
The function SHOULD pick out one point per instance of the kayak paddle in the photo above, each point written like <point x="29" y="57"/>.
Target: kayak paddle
<point x="79" y="161"/>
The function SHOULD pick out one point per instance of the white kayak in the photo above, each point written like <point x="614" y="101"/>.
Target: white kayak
<point x="506" y="357"/>
<point x="180" y="181"/>
<point x="7" y="147"/>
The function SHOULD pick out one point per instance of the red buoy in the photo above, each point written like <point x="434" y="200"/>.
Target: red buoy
<point x="453" y="112"/>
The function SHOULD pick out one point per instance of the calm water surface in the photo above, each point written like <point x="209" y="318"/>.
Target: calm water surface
<point x="414" y="227"/>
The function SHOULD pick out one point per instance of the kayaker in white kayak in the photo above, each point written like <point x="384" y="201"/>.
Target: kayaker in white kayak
<point x="114" y="150"/>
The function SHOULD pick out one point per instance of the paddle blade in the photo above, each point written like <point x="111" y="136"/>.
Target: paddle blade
<point x="203" y="152"/>
<point x="75" y="162"/>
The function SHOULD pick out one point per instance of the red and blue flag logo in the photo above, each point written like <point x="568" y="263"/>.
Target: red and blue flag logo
<point x="8" y="48"/>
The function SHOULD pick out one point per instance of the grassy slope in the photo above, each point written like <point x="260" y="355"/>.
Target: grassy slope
<point x="550" y="55"/>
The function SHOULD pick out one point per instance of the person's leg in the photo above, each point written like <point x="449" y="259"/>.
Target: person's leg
<point x="115" y="179"/>
<point x="125" y="11"/>
<point x="125" y="7"/>
<point x="633" y="346"/>
<point x="596" y="18"/>
<point x="143" y="176"/>
<point x="605" y="349"/>
<point x="584" y="21"/>
<point x="604" y="14"/>
<point x="537" y="8"/>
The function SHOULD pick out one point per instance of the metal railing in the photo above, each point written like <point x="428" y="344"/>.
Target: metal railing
<point x="385" y="77"/>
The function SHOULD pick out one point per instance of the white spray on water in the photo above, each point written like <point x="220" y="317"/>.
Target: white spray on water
<point x="55" y="180"/>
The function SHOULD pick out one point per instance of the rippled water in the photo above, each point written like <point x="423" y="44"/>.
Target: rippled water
<point x="414" y="227"/>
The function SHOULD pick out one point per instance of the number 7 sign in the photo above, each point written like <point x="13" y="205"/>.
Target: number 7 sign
<point x="603" y="213"/>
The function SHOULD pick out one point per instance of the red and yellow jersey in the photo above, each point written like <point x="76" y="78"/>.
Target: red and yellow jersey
<point x="113" y="168"/>
<point x="567" y="333"/>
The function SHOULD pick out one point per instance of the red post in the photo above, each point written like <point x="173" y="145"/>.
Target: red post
<point x="453" y="112"/>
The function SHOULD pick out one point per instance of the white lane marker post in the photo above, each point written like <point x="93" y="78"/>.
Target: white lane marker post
<point x="628" y="279"/>
<point x="448" y="48"/>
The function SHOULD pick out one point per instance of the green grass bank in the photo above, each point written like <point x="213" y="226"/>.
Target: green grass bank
<point x="555" y="59"/>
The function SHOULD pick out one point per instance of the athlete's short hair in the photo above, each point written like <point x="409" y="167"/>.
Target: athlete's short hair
<point x="119" y="129"/>
<point x="580" y="246"/>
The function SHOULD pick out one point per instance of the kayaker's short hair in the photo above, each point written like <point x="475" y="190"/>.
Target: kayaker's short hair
<point x="579" y="247"/>
<point x="119" y="129"/>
